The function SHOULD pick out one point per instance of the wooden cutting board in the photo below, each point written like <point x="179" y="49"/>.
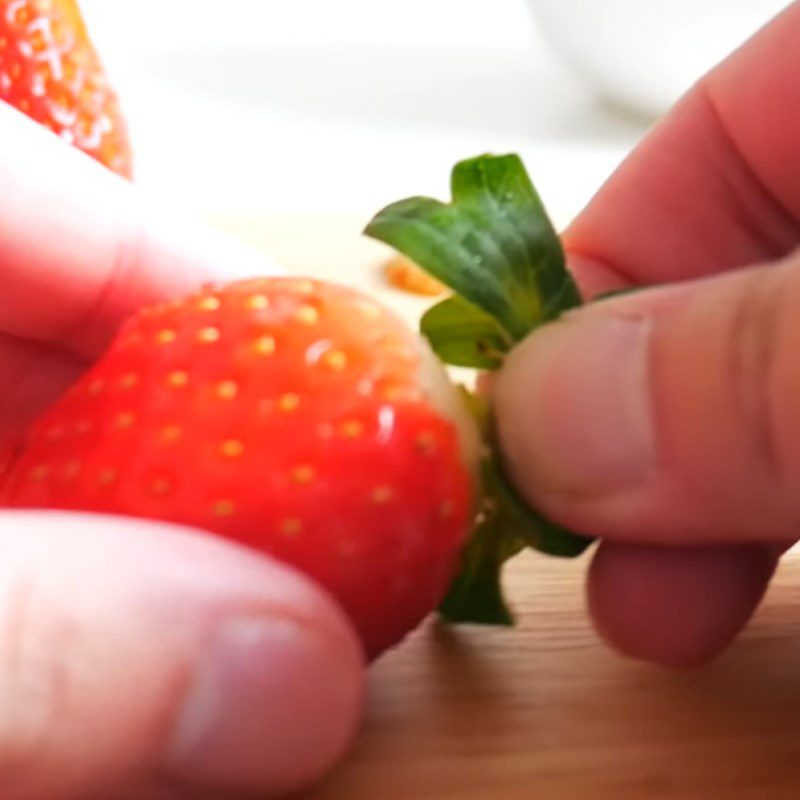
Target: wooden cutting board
<point x="545" y="711"/>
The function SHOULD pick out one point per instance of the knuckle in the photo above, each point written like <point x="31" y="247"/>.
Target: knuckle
<point x="96" y="322"/>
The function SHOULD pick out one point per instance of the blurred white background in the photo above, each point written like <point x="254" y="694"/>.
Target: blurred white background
<point x="265" y="106"/>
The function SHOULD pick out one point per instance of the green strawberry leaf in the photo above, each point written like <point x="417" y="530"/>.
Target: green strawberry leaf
<point x="496" y="248"/>
<point x="502" y="502"/>
<point x="505" y="526"/>
<point x="476" y="594"/>
<point x="524" y="523"/>
<point x="464" y="336"/>
<point x="493" y="244"/>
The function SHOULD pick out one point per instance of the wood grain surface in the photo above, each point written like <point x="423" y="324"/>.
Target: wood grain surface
<point x="544" y="711"/>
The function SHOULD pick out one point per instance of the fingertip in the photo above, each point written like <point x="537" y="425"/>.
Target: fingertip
<point x="574" y="412"/>
<point x="273" y="704"/>
<point x="188" y="662"/>
<point x="275" y="687"/>
<point x="592" y="275"/>
<point x="676" y="606"/>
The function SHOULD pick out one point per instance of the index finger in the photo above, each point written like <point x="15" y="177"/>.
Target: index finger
<point x="80" y="248"/>
<point x="714" y="186"/>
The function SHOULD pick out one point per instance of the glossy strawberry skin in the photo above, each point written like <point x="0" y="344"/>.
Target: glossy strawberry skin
<point x="50" y="71"/>
<point x="286" y="415"/>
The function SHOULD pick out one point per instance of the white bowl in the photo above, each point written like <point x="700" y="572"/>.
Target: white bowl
<point x="643" y="54"/>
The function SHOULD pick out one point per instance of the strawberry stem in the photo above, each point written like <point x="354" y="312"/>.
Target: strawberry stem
<point x="495" y="247"/>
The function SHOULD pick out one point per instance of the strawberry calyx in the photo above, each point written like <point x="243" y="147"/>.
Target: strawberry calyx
<point x="495" y="247"/>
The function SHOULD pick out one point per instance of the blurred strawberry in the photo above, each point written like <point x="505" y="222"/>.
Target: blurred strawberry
<point x="50" y="71"/>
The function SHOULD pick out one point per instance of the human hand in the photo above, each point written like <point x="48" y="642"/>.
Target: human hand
<point x="667" y="421"/>
<point x="138" y="660"/>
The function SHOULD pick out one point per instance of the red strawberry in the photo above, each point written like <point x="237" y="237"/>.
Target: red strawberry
<point x="290" y="415"/>
<point x="50" y="71"/>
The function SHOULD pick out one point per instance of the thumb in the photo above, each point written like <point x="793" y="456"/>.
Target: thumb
<point x="141" y="662"/>
<point x="668" y="416"/>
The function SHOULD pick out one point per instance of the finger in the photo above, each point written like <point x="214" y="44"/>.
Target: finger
<point x="712" y="188"/>
<point x="80" y="248"/>
<point x="665" y="417"/>
<point x="716" y="184"/>
<point x="676" y="606"/>
<point x="151" y="662"/>
<point x="34" y="375"/>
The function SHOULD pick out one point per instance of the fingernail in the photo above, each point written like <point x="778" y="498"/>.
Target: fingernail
<point x="579" y="389"/>
<point x="261" y="708"/>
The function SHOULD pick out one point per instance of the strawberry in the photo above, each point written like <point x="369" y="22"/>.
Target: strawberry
<point x="50" y="71"/>
<point x="304" y="420"/>
<point x="294" y="416"/>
